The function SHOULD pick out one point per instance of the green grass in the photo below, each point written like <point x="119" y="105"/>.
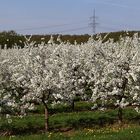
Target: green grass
<point x="60" y="108"/>
<point x="76" y="125"/>
<point x="57" y="121"/>
<point x="35" y="122"/>
<point x="114" y="133"/>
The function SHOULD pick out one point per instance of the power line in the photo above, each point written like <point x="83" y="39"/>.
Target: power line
<point x="48" y="26"/>
<point x="108" y="28"/>
<point x="70" y="30"/>
<point x="115" y="5"/>
<point x="41" y="27"/>
<point x="93" y="24"/>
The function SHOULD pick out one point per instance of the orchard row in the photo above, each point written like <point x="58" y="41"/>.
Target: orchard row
<point x="58" y="73"/>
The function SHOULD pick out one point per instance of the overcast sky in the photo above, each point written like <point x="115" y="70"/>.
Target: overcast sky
<point x="68" y="16"/>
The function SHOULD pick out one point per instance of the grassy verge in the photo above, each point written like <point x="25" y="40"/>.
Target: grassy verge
<point x="129" y="132"/>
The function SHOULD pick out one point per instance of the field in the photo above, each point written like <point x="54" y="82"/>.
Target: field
<point x="66" y="124"/>
<point x="74" y="91"/>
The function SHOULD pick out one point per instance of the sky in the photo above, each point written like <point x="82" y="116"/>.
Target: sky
<point x="68" y="16"/>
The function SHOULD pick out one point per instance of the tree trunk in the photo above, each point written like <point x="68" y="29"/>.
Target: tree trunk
<point x="46" y="119"/>
<point x="120" y="114"/>
<point x="72" y="105"/>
